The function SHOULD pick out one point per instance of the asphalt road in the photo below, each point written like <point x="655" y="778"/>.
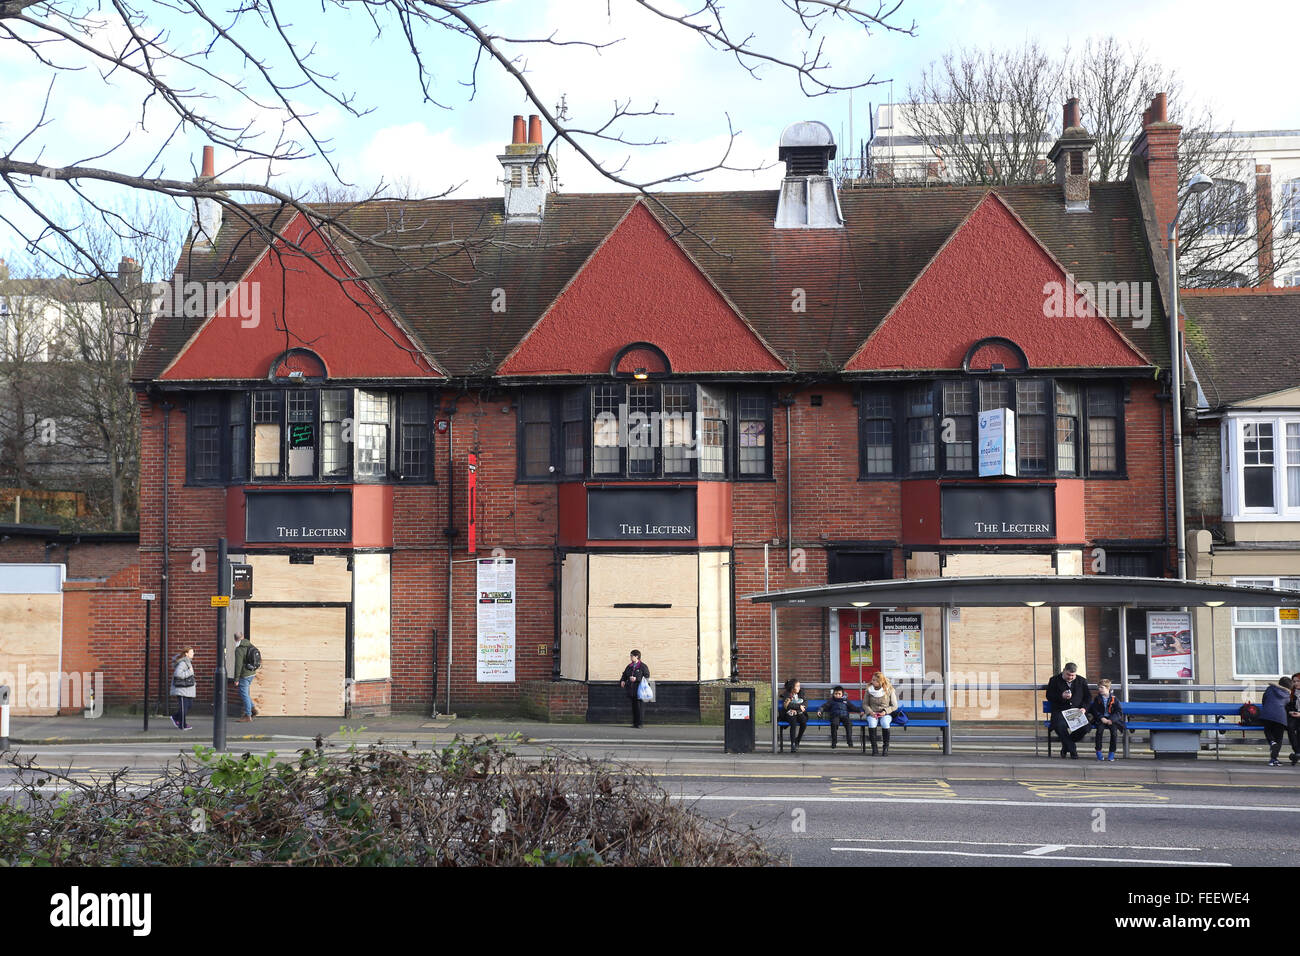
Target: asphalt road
<point x="858" y="821"/>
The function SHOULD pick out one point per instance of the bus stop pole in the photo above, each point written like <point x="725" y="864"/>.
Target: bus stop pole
<point x="1123" y="665"/>
<point x="946" y="612"/>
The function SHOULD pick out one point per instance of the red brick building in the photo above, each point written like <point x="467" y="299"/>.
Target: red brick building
<point x="654" y="394"/>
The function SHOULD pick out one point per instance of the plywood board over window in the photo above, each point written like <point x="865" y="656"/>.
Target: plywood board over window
<point x="327" y="578"/>
<point x="303" y="660"/>
<point x="715" y="615"/>
<point x="31" y="635"/>
<point x="573" y="618"/>
<point x="666" y="631"/>
<point x="371" y="616"/>
<point x="995" y="644"/>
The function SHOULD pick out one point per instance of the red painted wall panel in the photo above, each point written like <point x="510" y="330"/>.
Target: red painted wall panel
<point x="300" y="305"/>
<point x="988" y="280"/>
<point x="639" y="285"/>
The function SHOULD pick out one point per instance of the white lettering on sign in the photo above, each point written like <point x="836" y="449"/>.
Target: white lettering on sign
<point x="1008" y="527"/>
<point x="284" y="532"/>
<point x="648" y="530"/>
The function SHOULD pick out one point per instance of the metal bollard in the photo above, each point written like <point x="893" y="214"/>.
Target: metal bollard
<point x="4" y="716"/>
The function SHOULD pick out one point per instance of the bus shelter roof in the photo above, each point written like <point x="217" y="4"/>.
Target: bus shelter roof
<point x="1033" y="590"/>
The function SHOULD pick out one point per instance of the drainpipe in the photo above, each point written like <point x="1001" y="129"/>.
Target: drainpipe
<point x="789" y="495"/>
<point x="450" y="532"/>
<point x="166" y="554"/>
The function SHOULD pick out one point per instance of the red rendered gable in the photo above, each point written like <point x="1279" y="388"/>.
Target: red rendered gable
<point x="989" y="279"/>
<point x="299" y="305"/>
<point x="640" y="285"/>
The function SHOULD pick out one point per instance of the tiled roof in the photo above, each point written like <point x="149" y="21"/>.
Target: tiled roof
<point x="1242" y="342"/>
<point x="851" y="277"/>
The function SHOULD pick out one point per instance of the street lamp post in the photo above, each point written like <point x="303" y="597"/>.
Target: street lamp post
<point x="1199" y="183"/>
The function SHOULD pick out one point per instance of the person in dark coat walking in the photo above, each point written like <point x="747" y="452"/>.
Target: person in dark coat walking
<point x="1273" y="715"/>
<point x="1293" y="719"/>
<point x="1106" y="714"/>
<point x="1067" y="689"/>
<point x="633" y="675"/>
<point x="794" y="710"/>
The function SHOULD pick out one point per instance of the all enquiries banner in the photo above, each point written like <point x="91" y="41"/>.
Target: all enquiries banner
<point x="496" y="620"/>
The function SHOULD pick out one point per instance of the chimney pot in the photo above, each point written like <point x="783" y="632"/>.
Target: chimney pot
<point x="1160" y="108"/>
<point x="517" y="136"/>
<point x="209" y="164"/>
<point x="535" y="129"/>
<point x="1071" y="112"/>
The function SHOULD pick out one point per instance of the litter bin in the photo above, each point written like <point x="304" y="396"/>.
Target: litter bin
<point x="738" y="720"/>
<point x="4" y="716"/>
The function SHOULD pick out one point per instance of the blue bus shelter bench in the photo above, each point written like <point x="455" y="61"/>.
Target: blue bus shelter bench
<point x="1172" y="736"/>
<point x="919" y="714"/>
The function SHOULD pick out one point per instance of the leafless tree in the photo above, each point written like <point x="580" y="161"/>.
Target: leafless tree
<point x="175" y="51"/>
<point x="105" y="324"/>
<point x="989" y="117"/>
<point x="29" y="320"/>
<point x="983" y="114"/>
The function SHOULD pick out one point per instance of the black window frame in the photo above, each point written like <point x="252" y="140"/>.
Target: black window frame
<point x="900" y="392"/>
<point x="561" y="403"/>
<point x="236" y="430"/>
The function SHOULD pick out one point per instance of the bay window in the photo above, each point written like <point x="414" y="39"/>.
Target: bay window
<point x="1261" y="465"/>
<point x="310" y="434"/>
<point x="1265" y="640"/>
<point x="645" y="430"/>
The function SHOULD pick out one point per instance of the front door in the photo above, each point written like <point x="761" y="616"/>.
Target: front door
<point x="859" y="644"/>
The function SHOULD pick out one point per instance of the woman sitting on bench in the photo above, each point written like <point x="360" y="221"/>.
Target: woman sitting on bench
<point x="880" y="703"/>
<point x="794" y="708"/>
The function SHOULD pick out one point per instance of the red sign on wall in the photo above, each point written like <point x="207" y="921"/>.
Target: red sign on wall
<point x="471" y="503"/>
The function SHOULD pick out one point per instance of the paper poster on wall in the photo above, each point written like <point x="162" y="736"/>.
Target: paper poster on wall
<point x="860" y="650"/>
<point x="902" y="642"/>
<point x="496" y="620"/>
<point x="1169" y="644"/>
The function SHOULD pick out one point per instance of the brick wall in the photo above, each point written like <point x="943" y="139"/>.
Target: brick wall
<point x="831" y="506"/>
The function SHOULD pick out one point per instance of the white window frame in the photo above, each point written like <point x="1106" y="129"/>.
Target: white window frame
<point x="1233" y="444"/>
<point x="1276" y="623"/>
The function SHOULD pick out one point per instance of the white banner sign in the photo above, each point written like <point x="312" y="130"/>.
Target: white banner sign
<point x="997" y="442"/>
<point x="1169" y="644"/>
<point x="496" y="620"/>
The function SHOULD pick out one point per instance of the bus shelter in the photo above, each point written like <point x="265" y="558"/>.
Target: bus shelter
<point x="1032" y="591"/>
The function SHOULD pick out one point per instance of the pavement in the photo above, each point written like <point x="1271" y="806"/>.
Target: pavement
<point x="678" y="750"/>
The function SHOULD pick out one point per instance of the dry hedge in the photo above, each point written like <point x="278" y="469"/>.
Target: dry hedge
<point x="473" y="803"/>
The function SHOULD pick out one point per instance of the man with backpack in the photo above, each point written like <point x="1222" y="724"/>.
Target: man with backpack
<point x="247" y="660"/>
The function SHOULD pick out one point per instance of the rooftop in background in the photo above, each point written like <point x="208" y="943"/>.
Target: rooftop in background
<point x="1241" y="342"/>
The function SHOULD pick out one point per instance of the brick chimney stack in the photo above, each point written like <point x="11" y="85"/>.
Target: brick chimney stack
<point x="1158" y="145"/>
<point x="529" y="173"/>
<point x="207" y="212"/>
<point x="1072" y="154"/>
<point x="1264" y="222"/>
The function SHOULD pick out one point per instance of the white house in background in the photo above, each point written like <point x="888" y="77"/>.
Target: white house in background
<point x="1269" y="168"/>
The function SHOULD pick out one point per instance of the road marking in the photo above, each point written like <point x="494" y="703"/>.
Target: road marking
<point x="1066" y="846"/>
<point x="1043" y="850"/>
<point x="893" y="788"/>
<point x="1238" y="808"/>
<point x="1021" y="856"/>
<point x="1088" y="791"/>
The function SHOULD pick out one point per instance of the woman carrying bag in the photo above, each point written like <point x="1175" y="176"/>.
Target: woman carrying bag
<point x="183" y="688"/>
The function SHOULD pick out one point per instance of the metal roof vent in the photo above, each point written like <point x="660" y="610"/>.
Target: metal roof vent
<point x="808" y="199"/>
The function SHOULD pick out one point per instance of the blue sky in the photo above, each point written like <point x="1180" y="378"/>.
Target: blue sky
<point x="1242" y="64"/>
